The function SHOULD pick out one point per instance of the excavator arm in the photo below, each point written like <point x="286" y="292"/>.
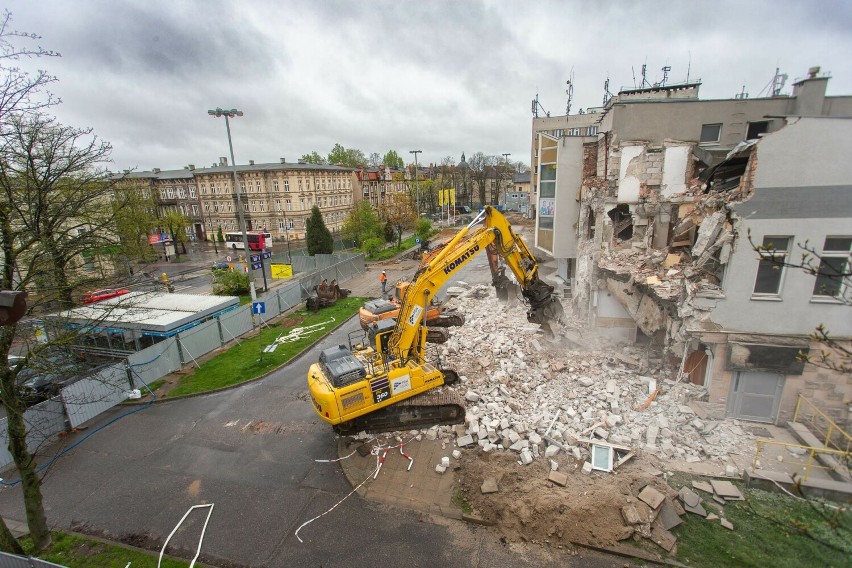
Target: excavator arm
<point x="495" y="234"/>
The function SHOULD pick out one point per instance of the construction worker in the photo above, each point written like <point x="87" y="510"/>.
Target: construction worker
<point x="384" y="280"/>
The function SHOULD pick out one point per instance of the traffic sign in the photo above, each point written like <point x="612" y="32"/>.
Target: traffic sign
<point x="255" y="258"/>
<point x="417" y="241"/>
<point x="258" y="307"/>
<point x="256" y="265"/>
<point x="228" y="258"/>
<point x="267" y="255"/>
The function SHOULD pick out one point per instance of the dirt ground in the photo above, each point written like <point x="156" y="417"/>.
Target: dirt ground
<point x="530" y="508"/>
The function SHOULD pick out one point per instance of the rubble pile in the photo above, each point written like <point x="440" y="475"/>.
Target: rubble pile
<point x="534" y="395"/>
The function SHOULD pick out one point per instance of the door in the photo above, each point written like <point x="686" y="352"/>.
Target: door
<point x="695" y="367"/>
<point x="755" y="396"/>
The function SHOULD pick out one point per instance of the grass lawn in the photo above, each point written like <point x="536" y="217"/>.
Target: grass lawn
<point x="245" y="361"/>
<point x="79" y="552"/>
<point x="770" y="529"/>
<point x="394" y="250"/>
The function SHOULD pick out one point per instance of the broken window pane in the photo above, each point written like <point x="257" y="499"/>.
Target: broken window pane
<point x="710" y="132"/>
<point x="755" y="129"/>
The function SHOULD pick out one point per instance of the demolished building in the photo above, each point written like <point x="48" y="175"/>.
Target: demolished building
<point x="667" y="203"/>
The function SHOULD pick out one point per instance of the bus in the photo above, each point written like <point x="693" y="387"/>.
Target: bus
<point x="256" y="240"/>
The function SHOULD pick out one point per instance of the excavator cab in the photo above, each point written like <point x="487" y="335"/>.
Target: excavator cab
<point x="379" y="334"/>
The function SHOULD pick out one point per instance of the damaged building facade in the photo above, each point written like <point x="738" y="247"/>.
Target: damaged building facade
<point x="673" y="195"/>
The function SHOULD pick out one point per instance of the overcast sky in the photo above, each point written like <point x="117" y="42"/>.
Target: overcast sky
<point x="442" y="77"/>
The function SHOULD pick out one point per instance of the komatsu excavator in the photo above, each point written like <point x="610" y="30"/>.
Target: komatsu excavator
<point x="383" y="381"/>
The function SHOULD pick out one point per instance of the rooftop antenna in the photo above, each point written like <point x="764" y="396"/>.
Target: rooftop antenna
<point x="634" y="76"/>
<point x="607" y="94"/>
<point x="688" y="66"/>
<point x="742" y="94"/>
<point x="644" y="76"/>
<point x="665" y="70"/>
<point x="536" y="107"/>
<point x="778" y="82"/>
<point x="570" y="92"/>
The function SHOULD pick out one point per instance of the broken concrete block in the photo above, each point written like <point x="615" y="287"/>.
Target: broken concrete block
<point x="651" y="434"/>
<point x="689" y="497"/>
<point x="526" y="457"/>
<point x="517" y="446"/>
<point x="432" y="434"/>
<point x="472" y="396"/>
<point x="554" y="465"/>
<point x="464" y="441"/>
<point x="578" y="455"/>
<point x="663" y="538"/>
<point x="692" y="459"/>
<point x="651" y="496"/>
<point x="586" y="381"/>
<point x="712" y="516"/>
<point x="489" y="485"/>
<point x="587" y="468"/>
<point x="601" y="433"/>
<point x="719" y="500"/>
<point x="731" y="471"/>
<point x="727" y="524"/>
<point x="459" y="430"/>
<point x="703" y="486"/>
<point x="551" y="451"/>
<point x="558" y="478"/>
<point x="456" y="454"/>
<point x="726" y="490"/>
<point x="440" y="469"/>
<point x="534" y="438"/>
<point x="668" y="516"/>
<point x="445" y="461"/>
<point x="631" y="514"/>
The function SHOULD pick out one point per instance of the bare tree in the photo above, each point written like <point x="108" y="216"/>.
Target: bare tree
<point x="399" y="211"/>
<point x="481" y="170"/>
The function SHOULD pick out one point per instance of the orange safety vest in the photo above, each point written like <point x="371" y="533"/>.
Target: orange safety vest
<point x="383" y="278"/>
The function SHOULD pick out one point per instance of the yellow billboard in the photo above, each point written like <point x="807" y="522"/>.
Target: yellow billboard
<point x="281" y="271"/>
<point x="446" y="197"/>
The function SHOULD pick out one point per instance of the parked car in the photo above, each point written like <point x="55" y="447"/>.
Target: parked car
<point x="47" y="373"/>
<point x="104" y="294"/>
<point x="221" y="265"/>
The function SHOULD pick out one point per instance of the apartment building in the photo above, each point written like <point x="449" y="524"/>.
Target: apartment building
<point x="377" y="183"/>
<point x="675" y="193"/>
<point x="276" y="197"/>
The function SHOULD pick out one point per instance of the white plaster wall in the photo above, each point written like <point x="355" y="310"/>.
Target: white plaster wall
<point x="566" y="211"/>
<point x="794" y="311"/>
<point x="608" y="306"/>
<point x="628" y="186"/>
<point x="805" y="154"/>
<point x="675" y="162"/>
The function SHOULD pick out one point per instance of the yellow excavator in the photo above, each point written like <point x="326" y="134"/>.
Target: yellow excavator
<point x="383" y="381"/>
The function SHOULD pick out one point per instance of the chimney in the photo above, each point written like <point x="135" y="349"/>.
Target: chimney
<point x="283" y="160"/>
<point x="156" y="170"/>
<point x="191" y="167"/>
<point x="302" y="161"/>
<point x="223" y="161"/>
<point x="251" y="162"/>
<point x="809" y="94"/>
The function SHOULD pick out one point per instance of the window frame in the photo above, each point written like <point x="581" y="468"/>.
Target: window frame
<point x="844" y="290"/>
<point x="718" y="134"/>
<point x="777" y="255"/>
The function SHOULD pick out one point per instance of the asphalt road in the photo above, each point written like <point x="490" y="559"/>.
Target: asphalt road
<point x="251" y="451"/>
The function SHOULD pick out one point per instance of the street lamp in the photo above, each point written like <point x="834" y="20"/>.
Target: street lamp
<point x="416" y="181"/>
<point x="231" y="114"/>
<point x="505" y="159"/>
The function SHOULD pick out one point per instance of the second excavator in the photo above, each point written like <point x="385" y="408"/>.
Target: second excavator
<point x="383" y="381"/>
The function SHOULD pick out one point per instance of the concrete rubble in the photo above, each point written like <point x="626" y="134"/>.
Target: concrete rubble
<point x="533" y="395"/>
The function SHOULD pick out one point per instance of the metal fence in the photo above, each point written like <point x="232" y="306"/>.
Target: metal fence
<point x="89" y="397"/>
<point x="8" y="560"/>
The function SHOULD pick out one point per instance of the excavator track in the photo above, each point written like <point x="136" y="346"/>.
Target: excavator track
<point x="448" y="319"/>
<point x="421" y="411"/>
<point x="437" y="335"/>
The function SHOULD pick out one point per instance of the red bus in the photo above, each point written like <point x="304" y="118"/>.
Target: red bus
<point x="256" y="240"/>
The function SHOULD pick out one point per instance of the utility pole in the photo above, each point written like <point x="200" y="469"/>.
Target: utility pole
<point x="416" y="181"/>
<point x="240" y="213"/>
<point x="213" y="234"/>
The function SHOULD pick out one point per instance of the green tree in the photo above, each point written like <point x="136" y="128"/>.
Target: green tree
<point x="389" y="232"/>
<point x="230" y="283"/>
<point x="393" y="160"/>
<point x="312" y="158"/>
<point x="349" y="157"/>
<point x="361" y="224"/>
<point x="398" y="210"/>
<point x="373" y="245"/>
<point x="424" y="229"/>
<point x="220" y="235"/>
<point x="175" y="224"/>
<point x="317" y="236"/>
<point x="134" y="219"/>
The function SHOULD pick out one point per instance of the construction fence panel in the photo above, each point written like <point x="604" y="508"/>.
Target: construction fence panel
<point x="43" y="420"/>
<point x="154" y="362"/>
<point x="289" y="297"/>
<point x="199" y="340"/>
<point x="271" y="306"/>
<point x="8" y="560"/>
<point x="235" y="323"/>
<point x="91" y="396"/>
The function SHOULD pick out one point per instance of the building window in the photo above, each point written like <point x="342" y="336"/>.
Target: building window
<point x="170" y="192"/>
<point x="710" y="133"/>
<point x="195" y="210"/>
<point x="207" y="208"/>
<point x="278" y="205"/>
<point x="230" y="207"/>
<point x="192" y="192"/>
<point x="286" y="185"/>
<point x="275" y="185"/>
<point x="243" y="186"/>
<point x="262" y="206"/>
<point x="573" y="132"/>
<point x="280" y="224"/>
<point x="302" y="204"/>
<point x="300" y="184"/>
<point x="591" y="131"/>
<point x="770" y="270"/>
<point x="757" y="129"/>
<point x="289" y="205"/>
<point x="180" y="192"/>
<point x="832" y="279"/>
